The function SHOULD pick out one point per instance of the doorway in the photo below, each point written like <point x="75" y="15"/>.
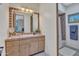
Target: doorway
<point x="62" y="25"/>
<point x="68" y="40"/>
<point x="61" y="30"/>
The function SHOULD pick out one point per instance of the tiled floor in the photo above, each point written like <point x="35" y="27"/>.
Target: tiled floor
<point x="76" y="54"/>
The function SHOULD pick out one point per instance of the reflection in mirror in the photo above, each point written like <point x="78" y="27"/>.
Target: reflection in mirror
<point x="22" y="22"/>
<point x="35" y="22"/>
<point x="19" y="23"/>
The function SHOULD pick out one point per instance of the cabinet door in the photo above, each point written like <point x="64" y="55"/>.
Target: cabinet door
<point x="33" y="46"/>
<point x="41" y="44"/>
<point x="12" y="48"/>
<point x="24" y="47"/>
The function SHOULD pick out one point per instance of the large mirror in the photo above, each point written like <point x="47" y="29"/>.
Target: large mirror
<point x="22" y="22"/>
<point x="19" y="23"/>
<point x="25" y="22"/>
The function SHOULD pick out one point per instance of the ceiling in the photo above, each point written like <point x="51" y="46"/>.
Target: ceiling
<point x="66" y="4"/>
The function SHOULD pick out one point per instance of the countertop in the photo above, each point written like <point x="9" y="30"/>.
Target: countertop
<point x="25" y="36"/>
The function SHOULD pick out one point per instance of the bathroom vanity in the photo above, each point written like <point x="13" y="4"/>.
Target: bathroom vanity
<point x="24" y="45"/>
<point x="25" y="36"/>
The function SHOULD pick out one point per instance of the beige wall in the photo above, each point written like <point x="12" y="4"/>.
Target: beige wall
<point x="48" y="27"/>
<point x="3" y="24"/>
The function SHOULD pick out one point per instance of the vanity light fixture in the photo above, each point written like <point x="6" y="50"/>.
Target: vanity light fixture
<point x="31" y="11"/>
<point x="22" y="9"/>
<point x="27" y="10"/>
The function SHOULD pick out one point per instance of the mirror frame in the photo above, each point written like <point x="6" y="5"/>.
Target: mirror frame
<point x="32" y="22"/>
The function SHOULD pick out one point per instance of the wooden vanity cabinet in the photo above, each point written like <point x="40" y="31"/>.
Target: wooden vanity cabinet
<point x="33" y="46"/>
<point x="24" y="46"/>
<point x="41" y="44"/>
<point x="12" y="48"/>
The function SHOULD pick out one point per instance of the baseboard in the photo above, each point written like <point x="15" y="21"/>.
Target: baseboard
<point x="37" y="53"/>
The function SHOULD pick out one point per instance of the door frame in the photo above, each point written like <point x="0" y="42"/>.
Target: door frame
<point x="57" y="29"/>
<point x="57" y="20"/>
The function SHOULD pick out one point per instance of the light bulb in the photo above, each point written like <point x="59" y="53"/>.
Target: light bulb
<point x="27" y="10"/>
<point x="31" y="11"/>
<point x="22" y="9"/>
